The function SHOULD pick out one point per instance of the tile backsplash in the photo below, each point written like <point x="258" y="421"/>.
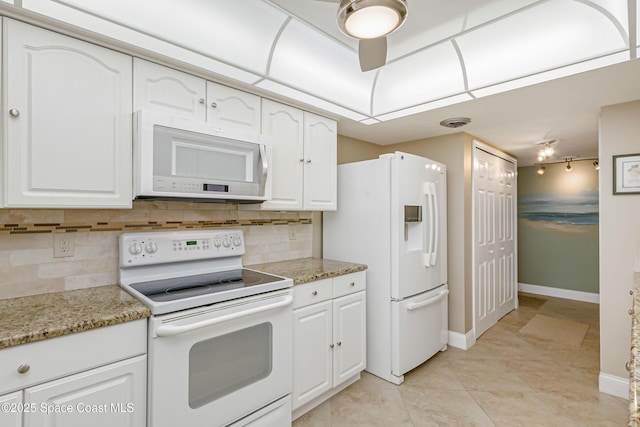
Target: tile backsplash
<point x="27" y="265"/>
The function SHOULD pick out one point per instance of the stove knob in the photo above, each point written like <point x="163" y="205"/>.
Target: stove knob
<point x="226" y="242"/>
<point x="151" y="248"/>
<point x="236" y="241"/>
<point x="135" y="248"/>
<point x="216" y="243"/>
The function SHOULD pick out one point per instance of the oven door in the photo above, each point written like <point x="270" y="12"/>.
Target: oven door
<point x="214" y="365"/>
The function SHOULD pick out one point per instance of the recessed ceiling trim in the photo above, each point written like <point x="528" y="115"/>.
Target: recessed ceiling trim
<point x="484" y="24"/>
<point x="611" y="17"/>
<point x="275" y="43"/>
<point x="462" y="66"/>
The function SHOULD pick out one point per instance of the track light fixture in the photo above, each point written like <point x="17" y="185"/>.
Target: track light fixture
<point x="541" y="170"/>
<point x="546" y="150"/>
<point x="596" y="165"/>
<point x="569" y="168"/>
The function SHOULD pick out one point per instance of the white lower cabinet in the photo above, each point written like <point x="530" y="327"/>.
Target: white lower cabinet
<point x="329" y="338"/>
<point x="10" y="409"/>
<point x="95" y="378"/>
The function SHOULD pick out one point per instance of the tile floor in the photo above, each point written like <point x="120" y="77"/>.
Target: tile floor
<point x="505" y="379"/>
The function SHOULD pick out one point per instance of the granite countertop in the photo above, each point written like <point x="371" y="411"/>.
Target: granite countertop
<point x="34" y="318"/>
<point x="306" y="270"/>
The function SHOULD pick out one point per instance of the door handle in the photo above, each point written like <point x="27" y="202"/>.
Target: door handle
<point x="171" y="330"/>
<point x="417" y="305"/>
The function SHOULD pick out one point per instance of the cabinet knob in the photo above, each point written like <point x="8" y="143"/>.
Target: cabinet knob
<point x="24" y="368"/>
<point x="352" y="284"/>
<point x="339" y="343"/>
<point x="331" y="346"/>
<point x="201" y="101"/>
<point x="14" y="112"/>
<point x="309" y="161"/>
<point x="314" y="293"/>
<point x="628" y="366"/>
<point x="630" y="311"/>
<point x="214" y="105"/>
<point x="301" y="160"/>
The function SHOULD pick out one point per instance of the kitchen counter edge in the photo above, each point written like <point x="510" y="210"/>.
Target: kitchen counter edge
<point x="305" y="270"/>
<point x="38" y="317"/>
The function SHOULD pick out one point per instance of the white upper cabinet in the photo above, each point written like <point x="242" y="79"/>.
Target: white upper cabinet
<point x="160" y="88"/>
<point x="67" y="121"/>
<point x="229" y="108"/>
<point x="285" y="125"/>
<point x="304" y="166"/>
<point x="320" y="163"/>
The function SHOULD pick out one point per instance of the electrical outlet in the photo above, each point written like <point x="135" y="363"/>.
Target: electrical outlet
<point x="63" y="245"/>
<point x="292" y="232"/>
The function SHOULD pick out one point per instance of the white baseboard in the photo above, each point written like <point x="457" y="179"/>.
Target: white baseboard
<point x="560" y="293"/>
<point x="462" y="341"/>
<point x="613" y="385"/>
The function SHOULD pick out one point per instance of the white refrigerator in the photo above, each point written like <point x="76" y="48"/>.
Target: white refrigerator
<point x="392" y="217"/>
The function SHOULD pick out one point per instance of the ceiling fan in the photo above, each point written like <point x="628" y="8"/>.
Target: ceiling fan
<point x="370" y="21"/>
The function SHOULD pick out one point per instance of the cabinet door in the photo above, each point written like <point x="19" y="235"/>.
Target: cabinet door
<point x="312" y="352"/>
<point x="160" y="88"/>
<point x="232" y="109"/>
<point x="112" y="395"/>
<point x="349" y="335"/>
<point x="320" y="167"/>
<point x="68" y="121"/>
<point x="285" y="125"/>
<point x="11" y="415"/>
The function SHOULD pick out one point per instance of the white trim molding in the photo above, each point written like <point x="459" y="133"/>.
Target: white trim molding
<point x="462" y="341"/>
<point x="615" y="386"/>
<point x="559" y="293"/>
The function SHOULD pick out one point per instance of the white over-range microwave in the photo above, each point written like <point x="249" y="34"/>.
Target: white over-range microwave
<point x="176" y="157"/>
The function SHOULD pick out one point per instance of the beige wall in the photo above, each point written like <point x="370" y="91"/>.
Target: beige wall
<point x="619" y="237"/>
<point x="354" y="150"/>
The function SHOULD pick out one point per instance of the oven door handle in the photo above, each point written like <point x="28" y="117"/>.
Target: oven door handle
<point x="171" y="330"/>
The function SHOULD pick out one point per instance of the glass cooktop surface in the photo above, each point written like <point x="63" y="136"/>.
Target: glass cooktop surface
<point x="203" y="284"/>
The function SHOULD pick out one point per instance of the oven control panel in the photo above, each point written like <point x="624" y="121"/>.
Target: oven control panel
<point x="148" y="248"/>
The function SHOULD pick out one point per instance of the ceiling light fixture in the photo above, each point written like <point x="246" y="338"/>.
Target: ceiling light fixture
<point x="596" y="165"/>
<point x="546" y="150"/>
<point x="569" y="168"/>
<point x="370" y="19"/>
<point x="541" y="170"/>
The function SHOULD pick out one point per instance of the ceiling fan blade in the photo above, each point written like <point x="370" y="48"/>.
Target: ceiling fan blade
<point x="372" y="53"/>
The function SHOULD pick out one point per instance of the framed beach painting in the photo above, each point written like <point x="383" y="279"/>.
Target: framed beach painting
<point x="626" y="174"/>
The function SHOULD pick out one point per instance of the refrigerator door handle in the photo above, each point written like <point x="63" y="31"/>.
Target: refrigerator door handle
<point x="429" y="238"/>
<point x="436" y="219"/>
<point x="417" y="305"/>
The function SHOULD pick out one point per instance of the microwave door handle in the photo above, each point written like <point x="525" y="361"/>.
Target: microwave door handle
<point x="171" y="330"/>
<point x="265" y="167"/>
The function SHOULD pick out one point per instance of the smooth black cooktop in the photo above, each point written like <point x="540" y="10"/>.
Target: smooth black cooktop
<point x="202" y="284"/>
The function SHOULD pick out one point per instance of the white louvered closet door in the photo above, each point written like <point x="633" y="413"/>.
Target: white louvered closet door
<point x="494" y="259"/>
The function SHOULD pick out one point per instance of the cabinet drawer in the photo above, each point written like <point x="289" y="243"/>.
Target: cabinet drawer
<point x="61" y="356"/>
<point x="311" y="293"/>
<point x="348" y="284"/>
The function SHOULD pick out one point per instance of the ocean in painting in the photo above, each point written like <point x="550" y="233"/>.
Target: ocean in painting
<point x="573" y="209"/>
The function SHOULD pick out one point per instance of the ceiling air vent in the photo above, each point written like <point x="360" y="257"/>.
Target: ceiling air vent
<point x="455" y="122"/>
